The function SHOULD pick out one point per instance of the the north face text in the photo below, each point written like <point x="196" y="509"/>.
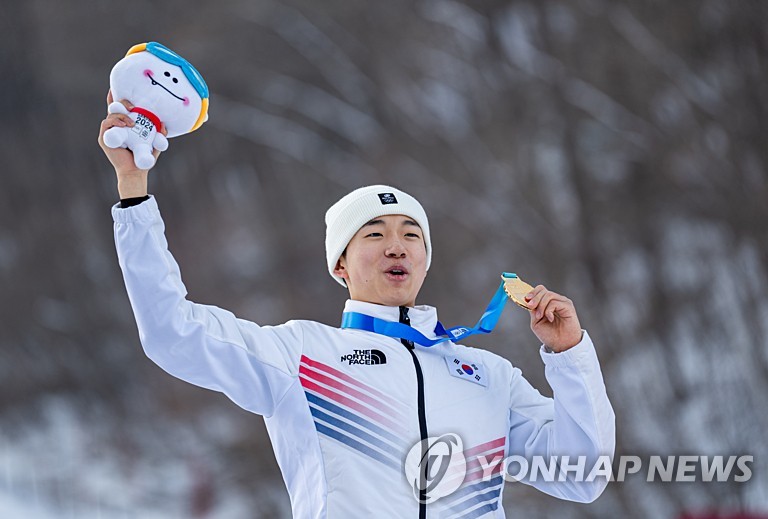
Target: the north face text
<point x="365" y="357"/>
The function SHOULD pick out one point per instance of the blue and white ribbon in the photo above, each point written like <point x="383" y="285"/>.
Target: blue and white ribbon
<point x="486" y="324"/>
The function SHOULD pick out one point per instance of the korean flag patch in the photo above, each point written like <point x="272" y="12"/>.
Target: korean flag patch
<point x="466" y="370"/>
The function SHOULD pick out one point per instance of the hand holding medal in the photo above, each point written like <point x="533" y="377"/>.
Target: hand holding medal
<point x="553" y="316"/>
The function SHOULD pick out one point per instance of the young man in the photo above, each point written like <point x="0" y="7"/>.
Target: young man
<point x="345" y="406"/>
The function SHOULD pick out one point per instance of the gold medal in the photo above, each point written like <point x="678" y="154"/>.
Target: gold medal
<point x="516" y="288"/>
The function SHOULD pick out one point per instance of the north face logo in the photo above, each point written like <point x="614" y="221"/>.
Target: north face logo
<point x="387" y="198"/>
<point x="365" y="357"/>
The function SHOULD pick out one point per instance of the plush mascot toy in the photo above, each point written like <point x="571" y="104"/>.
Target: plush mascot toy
<point x="166" y="91"/>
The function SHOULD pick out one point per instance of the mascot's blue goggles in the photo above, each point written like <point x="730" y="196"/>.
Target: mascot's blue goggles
<point x="191" y="73"/>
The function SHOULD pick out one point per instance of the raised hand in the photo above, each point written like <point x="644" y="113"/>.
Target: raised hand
<point x="553" y="319"/>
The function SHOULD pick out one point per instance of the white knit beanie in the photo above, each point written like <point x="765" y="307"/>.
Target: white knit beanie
<point x="348" y="215"/>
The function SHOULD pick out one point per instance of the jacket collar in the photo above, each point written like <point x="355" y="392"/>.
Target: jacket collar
<point x="423" y="317"/>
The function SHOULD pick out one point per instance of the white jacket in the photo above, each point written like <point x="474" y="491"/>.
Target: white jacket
<point x="341" y="405"/>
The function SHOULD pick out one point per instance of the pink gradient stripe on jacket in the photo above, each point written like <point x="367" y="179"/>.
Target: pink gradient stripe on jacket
<point x="343" y="376"/>
<point x="344" y="395"/>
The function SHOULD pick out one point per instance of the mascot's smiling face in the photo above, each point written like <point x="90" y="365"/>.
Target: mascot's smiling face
<point x="160" y="87"/>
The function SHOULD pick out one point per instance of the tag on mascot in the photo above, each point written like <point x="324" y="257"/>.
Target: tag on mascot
<point x="166" y="91"/>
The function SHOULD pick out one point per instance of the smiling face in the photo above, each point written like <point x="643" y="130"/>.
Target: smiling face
<point x="385" y="262"/>
<point x="151" y="83"/>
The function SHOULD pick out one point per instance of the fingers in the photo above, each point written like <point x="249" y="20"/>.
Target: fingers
<point x="561" y="307"/>
<point x="112" y="120"/>
<point x="544" y="303"/>
<point x="120" y="120"/>
<point x="534" y="296"/>
<point x="547" y="306"/>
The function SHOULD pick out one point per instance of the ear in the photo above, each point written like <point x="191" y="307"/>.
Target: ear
<point x="341" y="270"/>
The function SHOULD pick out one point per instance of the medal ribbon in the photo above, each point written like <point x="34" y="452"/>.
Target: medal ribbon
<point x="486" y="324"/>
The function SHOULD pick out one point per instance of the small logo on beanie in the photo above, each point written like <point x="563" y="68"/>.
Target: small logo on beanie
<point x="387" y="198"/>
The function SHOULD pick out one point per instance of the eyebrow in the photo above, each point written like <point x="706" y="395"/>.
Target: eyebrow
<point x="377" y="221"/>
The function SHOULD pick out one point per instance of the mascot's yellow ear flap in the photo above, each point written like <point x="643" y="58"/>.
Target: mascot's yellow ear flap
<point x="139" y="47"/>
<point x="203" y="115"/>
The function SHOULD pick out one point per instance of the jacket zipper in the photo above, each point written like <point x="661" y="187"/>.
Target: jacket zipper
<point x="422" y="408"/>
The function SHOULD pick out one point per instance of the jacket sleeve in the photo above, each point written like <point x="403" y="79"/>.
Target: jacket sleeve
<point x="204" y="345"/>
<point x="578" y="422"/>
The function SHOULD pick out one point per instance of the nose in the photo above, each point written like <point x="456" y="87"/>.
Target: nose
<point x="395" y="249"/>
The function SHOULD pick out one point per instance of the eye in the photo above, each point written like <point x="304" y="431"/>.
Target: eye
<point x="175" y="80"/>
<point x="412" y="235"/>
<point x="167" y="74"/>
<point x="373" y="234"/>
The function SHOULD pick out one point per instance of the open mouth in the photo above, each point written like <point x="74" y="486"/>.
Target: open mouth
<point x="157" y="83"/>
<point x="397" y="273"/>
